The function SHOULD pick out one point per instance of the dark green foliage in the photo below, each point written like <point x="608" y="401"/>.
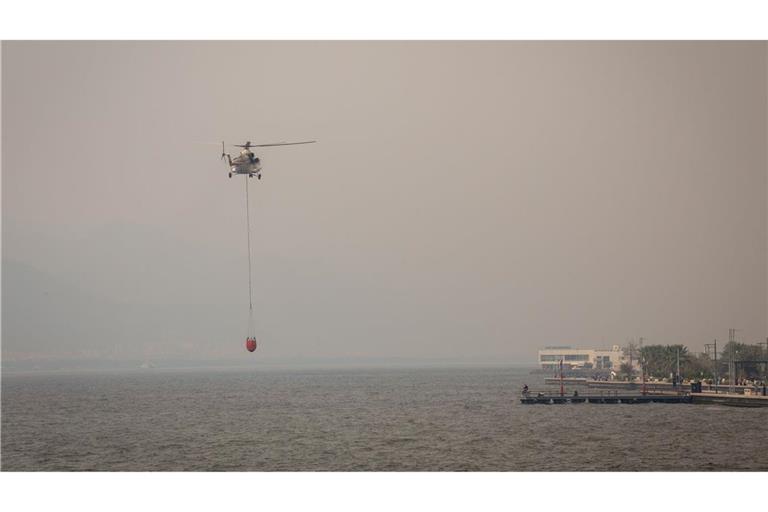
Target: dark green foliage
<point x="698" y="366"/>
<point x="625" y="372"/>
<point x="661" y="360"/>
<point x="748" y="358"/>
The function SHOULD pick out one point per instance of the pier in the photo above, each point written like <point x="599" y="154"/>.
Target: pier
<point x="653" y="386"/>
<point x="605" y="398"/>
<point x="729" y="399"/>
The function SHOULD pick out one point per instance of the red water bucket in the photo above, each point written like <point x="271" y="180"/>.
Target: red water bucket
<point x="250" y="344"/>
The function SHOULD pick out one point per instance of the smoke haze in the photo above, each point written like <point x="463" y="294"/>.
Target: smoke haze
<point x="468" y="201"/>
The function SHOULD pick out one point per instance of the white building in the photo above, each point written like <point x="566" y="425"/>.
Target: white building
<point x="550" y="357"/>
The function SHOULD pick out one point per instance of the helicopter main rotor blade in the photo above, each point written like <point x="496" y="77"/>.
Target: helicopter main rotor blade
<point x="273" y="144"/>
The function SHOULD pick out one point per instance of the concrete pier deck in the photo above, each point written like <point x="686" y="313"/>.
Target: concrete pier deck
<point x="731" y="399"/>
<point x="651" y="387"/>
<point x="606" y="398"/>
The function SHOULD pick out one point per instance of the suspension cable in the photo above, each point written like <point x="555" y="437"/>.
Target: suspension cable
<point x="250" y="284"/>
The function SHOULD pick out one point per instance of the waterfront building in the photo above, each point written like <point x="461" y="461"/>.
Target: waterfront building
<point x="581" y="358"/>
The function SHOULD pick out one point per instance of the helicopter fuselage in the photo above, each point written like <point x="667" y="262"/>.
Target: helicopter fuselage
<point x="248" y="163"/>
<point x="245" y="163"/>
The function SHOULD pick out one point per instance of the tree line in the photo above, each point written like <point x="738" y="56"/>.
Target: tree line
<point x="661" y="361"/>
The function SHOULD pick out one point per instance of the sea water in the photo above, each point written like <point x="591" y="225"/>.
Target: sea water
<point x="366" y="419"/>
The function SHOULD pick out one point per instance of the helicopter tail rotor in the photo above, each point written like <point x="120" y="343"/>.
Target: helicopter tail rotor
<point x="225" y="154"/>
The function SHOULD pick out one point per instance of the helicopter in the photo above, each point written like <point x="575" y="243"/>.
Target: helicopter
<point x="248" y="163"/>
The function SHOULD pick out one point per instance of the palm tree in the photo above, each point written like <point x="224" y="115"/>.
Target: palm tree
<point x="626" y="371"/>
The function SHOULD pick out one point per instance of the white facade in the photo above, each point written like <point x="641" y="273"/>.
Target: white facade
<point x="550" y="357"/>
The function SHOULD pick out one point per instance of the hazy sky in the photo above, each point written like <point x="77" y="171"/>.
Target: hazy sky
<point x="467" y="200"/>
